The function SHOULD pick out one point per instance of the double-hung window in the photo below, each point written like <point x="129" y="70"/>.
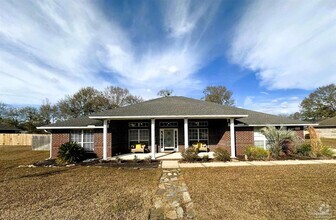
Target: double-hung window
<point x="198" y="135"/>
<point x="198" y="132"/>
<point x="85" y="138"/>
<point x="137" y="136"/>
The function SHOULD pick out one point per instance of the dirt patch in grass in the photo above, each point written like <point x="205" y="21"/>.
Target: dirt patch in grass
<point x="272" y="192"/>
<point x="80" y="192"/>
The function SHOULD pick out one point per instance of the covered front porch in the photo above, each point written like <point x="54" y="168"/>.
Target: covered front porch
<point x="165" y="138"/>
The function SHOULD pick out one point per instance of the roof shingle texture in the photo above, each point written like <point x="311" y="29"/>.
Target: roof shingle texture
<point x="8" y="128"/>
<point x="180" y="106"/>
<point x="328" y="122"/>
<point x="174" y="105"/>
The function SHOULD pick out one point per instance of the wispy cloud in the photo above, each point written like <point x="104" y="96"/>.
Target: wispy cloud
<point x="289" y="44"/>
<point x="59" y="46"/>
<point x="281" y="105"/>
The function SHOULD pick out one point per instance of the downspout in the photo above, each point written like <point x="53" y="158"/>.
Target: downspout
<point x="50" y="151"/>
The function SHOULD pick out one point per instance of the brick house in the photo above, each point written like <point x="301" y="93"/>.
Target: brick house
<point x="168" y="124"/>
<point x="327" y="128"/>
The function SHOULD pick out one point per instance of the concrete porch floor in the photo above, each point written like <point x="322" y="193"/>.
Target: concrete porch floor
<point x="158" y="156"/>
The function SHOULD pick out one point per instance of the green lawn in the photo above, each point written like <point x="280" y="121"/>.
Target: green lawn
<point x="75" y="193"/>
<point x="268" y="192"/>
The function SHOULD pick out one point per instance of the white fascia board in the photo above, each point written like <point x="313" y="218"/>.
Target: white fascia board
<point x="72" y="127"/>
<point x="168" y="117"/>
<point x="263" y="125"/>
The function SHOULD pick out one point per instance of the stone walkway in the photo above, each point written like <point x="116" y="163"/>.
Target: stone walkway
<point x="172" y="199"/>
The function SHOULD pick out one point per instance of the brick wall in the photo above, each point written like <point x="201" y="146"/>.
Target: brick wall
<point x="98" y="143"/>
<point x="219" y="136"/>
<point x="60" y="137"/>
<point x="300" y="133"/>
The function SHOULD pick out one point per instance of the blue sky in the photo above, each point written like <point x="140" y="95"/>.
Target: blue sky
<point x="270" y="53"/>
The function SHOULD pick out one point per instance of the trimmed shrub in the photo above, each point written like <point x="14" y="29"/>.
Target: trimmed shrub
<point x="205" y="158"/>
<point x="256" y="153"/>
<point x="71" y="152"/>
<point x="325" y="152"/>
<point x="304" y="150"/>
<point x="222" y="154"/>
<point x="148" y="159"/>
<point x="190" y="155"/>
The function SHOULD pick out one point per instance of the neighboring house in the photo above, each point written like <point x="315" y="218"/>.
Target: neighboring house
<point x="8" y="129"/>
<point x="327" y="128"/>
<point x="168" y="124"/>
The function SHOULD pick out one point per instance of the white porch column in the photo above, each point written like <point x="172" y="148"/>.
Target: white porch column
<point x="153" y="138"/>
<point x="186" y="134"/>
<point x="232" y="136"/>
<point x="105" y="140"/>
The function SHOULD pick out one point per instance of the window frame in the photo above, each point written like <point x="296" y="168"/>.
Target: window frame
<point x="81" y="141"/>
<point x="139" y="138"/>
<point x="197" y="129"/>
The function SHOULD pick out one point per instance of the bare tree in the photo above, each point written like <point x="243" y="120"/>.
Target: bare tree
<point x="86" y="101"/>
<point x="119" y="97"/>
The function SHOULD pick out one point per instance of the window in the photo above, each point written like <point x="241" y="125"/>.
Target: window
<point x="198" y="135"/>
<point x="138" y="124"/>
<point x="259" y="139"/>
<point x="84" y="138"/>
<point x="170" y="124"/>
<point x="198" y="124"/>
<point x="138" y="136"/>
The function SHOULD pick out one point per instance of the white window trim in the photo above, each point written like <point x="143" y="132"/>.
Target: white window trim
<point x="198" y="139"/>
<point x="82" y="139"/>
<point x="175" y="136"/>
<point x="138" y="139"/>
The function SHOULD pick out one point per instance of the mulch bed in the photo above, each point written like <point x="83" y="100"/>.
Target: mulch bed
<point x="98" y="162"/>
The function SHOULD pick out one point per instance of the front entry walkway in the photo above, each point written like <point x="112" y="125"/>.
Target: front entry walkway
<point x="172" y="199"/>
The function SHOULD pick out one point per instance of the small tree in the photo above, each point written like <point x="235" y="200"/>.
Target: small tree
<point x="165" y="92"/>
<point x="218" y="94"/>
<point x="71" y="152"/>
<point x="279" y="140"/>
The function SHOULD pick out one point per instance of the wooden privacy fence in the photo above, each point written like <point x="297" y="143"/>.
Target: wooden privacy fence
<point x="20" y="139"/>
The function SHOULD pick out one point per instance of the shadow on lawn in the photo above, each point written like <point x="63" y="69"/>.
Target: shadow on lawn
<point x="39" y="174"/>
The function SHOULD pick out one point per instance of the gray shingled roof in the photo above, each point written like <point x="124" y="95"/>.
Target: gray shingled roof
<point x="76" y="122"/>
<point x="171" y="106"/>
<point x="180" y="106"/>
<point x="327" y="122"/>
<point x="259" y="118"/>
<point x="8" y="128"/>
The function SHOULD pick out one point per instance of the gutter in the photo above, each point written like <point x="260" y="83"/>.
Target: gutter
<point x="169" y="117"/>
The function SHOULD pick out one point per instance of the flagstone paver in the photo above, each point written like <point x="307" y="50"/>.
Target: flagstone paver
<point x="172" y="199"/>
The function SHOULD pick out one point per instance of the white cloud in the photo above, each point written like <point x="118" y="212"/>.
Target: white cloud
<point x="289" y="44"/>
<point x="280" y="105"/>
<point x="52" y="48"/>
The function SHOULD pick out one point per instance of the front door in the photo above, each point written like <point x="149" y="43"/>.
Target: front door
<point x="168" y="139"/>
